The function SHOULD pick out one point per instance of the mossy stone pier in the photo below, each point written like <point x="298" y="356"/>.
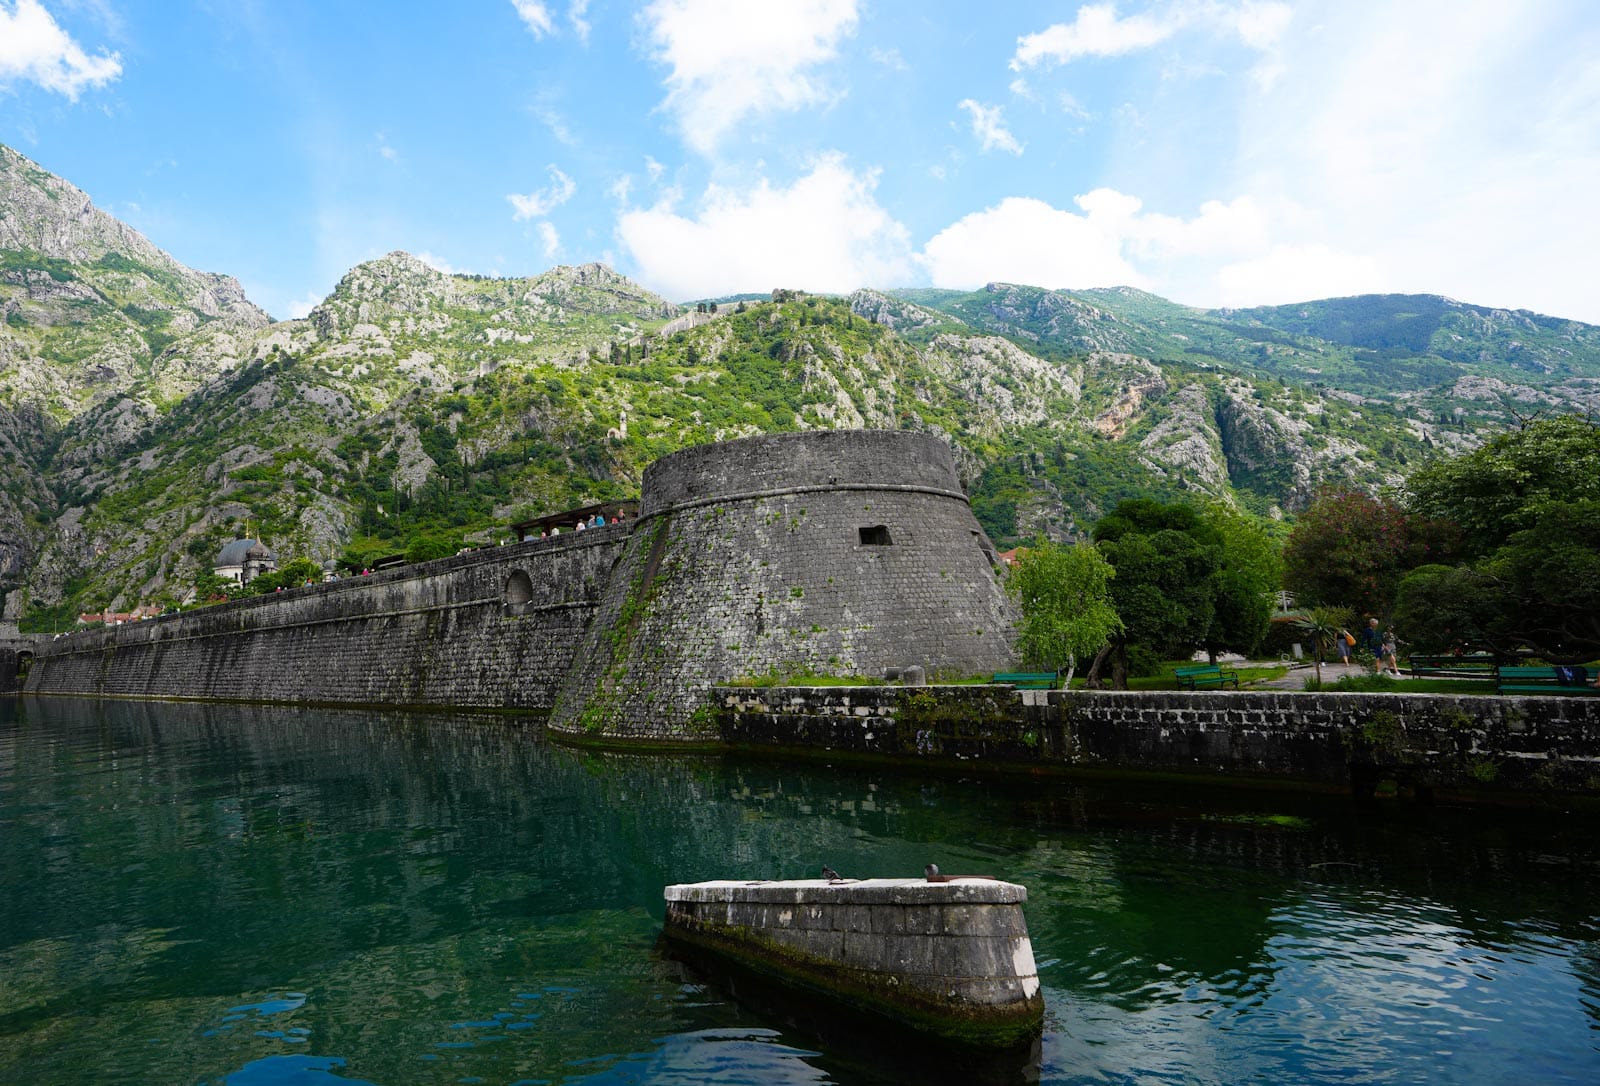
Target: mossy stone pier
<point x="951" y="960"/>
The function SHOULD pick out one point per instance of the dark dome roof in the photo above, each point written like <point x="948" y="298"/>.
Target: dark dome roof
<point x="235" y="553"/>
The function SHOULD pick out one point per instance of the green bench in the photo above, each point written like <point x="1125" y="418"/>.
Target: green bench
<point x="1192" y="678"/>
<point x="1450" y="666"/>
<point x="1027" y="680"/>
<point x="1536" y="680"/>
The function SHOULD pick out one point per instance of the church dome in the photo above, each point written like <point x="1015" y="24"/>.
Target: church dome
<point x="235" y="553"/>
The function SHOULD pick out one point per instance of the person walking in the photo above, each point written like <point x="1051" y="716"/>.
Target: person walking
<point x="1390" y="656"/>
<point x="1344" y="641"/>
<point x="1372" y="641"/>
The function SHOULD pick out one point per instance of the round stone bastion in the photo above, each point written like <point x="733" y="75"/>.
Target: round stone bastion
<point x="837" y="553"/>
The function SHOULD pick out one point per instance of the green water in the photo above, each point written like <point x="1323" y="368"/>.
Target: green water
<point x="207" y="894"/>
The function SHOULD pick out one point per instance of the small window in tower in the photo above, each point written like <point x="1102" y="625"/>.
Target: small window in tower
<point x="876" y="535"/>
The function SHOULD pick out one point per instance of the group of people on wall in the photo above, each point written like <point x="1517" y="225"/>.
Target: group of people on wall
<point x="596" y="521"/>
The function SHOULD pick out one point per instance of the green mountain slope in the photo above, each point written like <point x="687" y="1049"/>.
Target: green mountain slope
<point x="149" y="414"/>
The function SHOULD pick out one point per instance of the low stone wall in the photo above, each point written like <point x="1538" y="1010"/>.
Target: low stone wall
<point x="1504" y="745"/>
<point x="495" y="629"/>
<point x="950" y="959"/>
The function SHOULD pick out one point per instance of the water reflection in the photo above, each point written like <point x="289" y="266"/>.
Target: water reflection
<point x="202" y="893"/>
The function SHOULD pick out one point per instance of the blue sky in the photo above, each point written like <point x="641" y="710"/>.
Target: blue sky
<point x="1217" y="152"/>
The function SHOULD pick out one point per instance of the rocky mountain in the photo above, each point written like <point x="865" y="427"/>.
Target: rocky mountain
<point x="149" y="413"/>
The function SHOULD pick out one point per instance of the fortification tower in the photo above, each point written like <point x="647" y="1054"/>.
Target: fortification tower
<point x="835" y="552"/>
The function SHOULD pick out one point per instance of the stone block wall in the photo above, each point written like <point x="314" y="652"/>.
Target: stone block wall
<point x="495" y="628"/>
<point x="1431" y="741"/>
<point x="840" y="553"/>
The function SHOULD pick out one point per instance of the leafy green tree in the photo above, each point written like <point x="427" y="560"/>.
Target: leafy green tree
<point x="1351" y="549"/>
<point x="1064" y="593"/>
<point x="1507" y="484"/>
<point x="1164" y="557"/>
<point x="209" y="588"/>
<point x="1249" y="571"/>
<point x="1538" y="593"/>
<point x="1528" y="506"/>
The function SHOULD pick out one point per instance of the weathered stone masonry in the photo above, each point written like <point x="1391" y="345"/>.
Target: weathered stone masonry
<point x="491" y="629"/>
<point x="843" y="552"/>
<point x="1510" y="746"/>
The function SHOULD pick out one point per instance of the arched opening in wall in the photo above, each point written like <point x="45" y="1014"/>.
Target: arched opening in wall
<point x="876" y="535"/>
<point x="518" y="592"/>
<point x="24" y="663"/>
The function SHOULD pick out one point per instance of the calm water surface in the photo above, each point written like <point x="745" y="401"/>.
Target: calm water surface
<point x="262" y="897"/>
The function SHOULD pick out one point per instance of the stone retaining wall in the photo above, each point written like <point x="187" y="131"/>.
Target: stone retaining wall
<point x="1428" y="741"/>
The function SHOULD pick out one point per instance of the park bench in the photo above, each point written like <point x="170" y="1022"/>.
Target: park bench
<point x="1536" y="680"/>
<point x="1192" y="678"/>
<point x="1451" y="666"/>
<point x="1027" y="680"/>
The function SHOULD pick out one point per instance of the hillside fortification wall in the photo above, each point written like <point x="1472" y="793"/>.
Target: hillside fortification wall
<point x="837" y="552"/>
<point x="494" y="628"/>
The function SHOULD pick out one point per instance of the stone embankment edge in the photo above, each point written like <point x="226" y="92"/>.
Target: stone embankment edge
<point x="1500" y="750"/>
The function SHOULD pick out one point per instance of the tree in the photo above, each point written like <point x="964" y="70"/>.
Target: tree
<point x="210" y="588"/>
<point x="1351" y="549"/>
<point x="1507" y="484"/>
<point x="1167" y="560"/>
<point x="1250" y="572"/>
<point x="1528" y="506"/>
<point x="1539" y="593"/>
<point x="1064" y="593"/>
<point x="1323" y="624"/>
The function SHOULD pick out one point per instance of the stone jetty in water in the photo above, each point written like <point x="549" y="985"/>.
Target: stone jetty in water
<point x="947" y="959"/>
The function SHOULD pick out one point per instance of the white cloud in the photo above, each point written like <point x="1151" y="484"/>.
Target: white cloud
<point x="1454" y="145"/>
<point x="385" y="151"/>
<point x="549" y="240"/>
<point x="730" y="59"/>
<point x="533" y="205"/>
<point x="825" y="232"/>
<point x="1023" y="240"/>
<point x="989" y="128"/>
<point x="889" y="58"/>
<point x="536" y="16"/>
<point x="1297" y="273"/>
<point x="577" y="13"/>
<point x="621" y="189"/>
<point x="33" y="48"/>
<point x="1098" y="31"/>
<point x="654" y="169"/>
<point x="1227" y="254"/>
<point x="557" y="126"/>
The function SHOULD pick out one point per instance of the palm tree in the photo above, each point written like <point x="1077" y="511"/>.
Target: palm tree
<point x="1323" y="624"/>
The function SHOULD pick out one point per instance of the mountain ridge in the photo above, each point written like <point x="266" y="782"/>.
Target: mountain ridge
<point x="417" y="410"/>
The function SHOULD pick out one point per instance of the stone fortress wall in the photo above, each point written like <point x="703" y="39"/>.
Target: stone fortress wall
<point x="840" y="551"/>
<point x="492" y="629"/>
